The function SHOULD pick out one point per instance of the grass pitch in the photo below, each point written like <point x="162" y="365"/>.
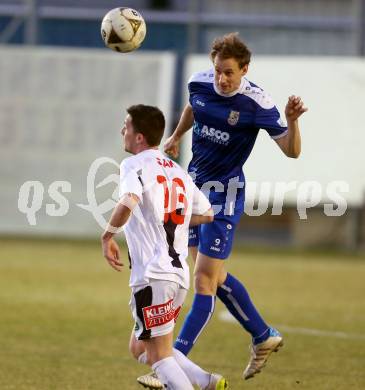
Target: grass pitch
<point x="65" y="320"/>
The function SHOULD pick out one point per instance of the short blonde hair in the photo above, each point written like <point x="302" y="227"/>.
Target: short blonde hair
<point x="231" y="46"/>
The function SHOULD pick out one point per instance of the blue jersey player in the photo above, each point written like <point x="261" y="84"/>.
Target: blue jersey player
<point x="226" y="112"/>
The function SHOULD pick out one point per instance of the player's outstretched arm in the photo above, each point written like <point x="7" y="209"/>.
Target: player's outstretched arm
<point x="291" y="143"/>
<point x="207" y="217"/>
<point x="119" y="217"/>
<point x="171" y="146"/>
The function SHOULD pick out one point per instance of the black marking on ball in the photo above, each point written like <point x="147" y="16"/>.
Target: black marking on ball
<point x="135" y="25"/>
<point x="113" y="37"/>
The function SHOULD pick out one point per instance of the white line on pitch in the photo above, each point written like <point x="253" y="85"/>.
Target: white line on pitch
<point x="225" y="316"/>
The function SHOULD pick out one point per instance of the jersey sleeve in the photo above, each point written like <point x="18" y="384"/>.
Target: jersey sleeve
<point x="200" y="202"/>
<point x="268" y="117"/>
<point x="193" y="88"/>
<point x="129" y="181"/>
<point x="198" y="80"/>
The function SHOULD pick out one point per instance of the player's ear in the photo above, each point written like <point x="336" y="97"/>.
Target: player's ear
<point x="244" y="69"/>
<point x="140" y="138"/>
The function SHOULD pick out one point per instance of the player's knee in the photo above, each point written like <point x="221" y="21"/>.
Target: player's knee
<point x="204" y="283"/>
<point x="222" y="277"/>
<point x="136" y="348"/>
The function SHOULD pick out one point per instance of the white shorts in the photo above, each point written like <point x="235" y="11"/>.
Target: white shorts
<point x="155" y="307"/>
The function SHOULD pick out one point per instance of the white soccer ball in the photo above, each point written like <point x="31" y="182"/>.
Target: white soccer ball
<point x="123" y="29"/>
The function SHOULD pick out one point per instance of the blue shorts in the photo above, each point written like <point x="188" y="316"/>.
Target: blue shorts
<point x="214" y="239"/>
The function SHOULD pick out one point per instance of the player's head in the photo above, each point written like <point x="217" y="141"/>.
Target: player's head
<point x="231" y="58"/>
<point x="143" y="128"/>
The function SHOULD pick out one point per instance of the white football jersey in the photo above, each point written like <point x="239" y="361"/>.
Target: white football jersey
<point x="157" y="231"/>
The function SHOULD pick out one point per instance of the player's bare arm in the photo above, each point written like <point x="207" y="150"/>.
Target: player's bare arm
<point x="291" y="143"/>
<point x="171" y="146"/>
<point x="119" y="217"/>
<point x="207" y="217"/>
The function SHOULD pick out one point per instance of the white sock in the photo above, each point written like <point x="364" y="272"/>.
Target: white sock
<point x="142" y="358"/>
<point x="171" y="374"/>
<point x="196" y="375"/>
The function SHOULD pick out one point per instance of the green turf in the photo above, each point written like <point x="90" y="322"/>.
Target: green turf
<point x="65" y="321"/>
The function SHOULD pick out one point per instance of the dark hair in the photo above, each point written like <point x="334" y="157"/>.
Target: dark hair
<point x="231" y="46"/>
<point x="149" y="121"/>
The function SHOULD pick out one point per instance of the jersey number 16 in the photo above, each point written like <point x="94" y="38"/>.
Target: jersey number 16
<point x="177" y="214"/>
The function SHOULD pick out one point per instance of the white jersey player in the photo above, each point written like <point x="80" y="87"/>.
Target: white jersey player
<point x="157" y="235"/>
<point x="157" y="231"/>
<point x="158" y="203"/>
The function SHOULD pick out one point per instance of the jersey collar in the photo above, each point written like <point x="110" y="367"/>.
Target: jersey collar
<point x="243" y="84"/>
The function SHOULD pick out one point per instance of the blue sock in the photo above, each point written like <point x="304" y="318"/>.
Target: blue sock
<point x="200" y="313"/>
<point x="234" y="295"/>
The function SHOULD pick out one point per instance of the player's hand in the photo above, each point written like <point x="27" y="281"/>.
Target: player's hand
<point x="171" y="147"/>
<point x="112" y="254"/>
<point x="294" y="108"/>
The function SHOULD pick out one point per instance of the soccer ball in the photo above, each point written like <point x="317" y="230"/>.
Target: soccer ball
<point x="123" y="29"/>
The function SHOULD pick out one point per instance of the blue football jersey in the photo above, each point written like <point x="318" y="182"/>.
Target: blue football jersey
<point x="226" y="126"/>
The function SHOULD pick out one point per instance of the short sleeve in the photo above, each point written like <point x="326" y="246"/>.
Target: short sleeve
<point x="198" y="82"/>
<point x="268" y="118"/>
<point x="192" y="89"/>
<point x="200" y="202"/>
<point x="130" y="181"/>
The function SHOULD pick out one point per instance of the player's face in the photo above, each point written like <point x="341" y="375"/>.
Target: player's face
<point x="228" y="74"/>
<point x="129" y="135"/>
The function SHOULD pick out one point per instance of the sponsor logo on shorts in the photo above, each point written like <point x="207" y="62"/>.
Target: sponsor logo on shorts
<point x="177" y="312"/>
<point x="158" y="315"/>
<point x="181" y="341"/>
<point x="214" y="248"/>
